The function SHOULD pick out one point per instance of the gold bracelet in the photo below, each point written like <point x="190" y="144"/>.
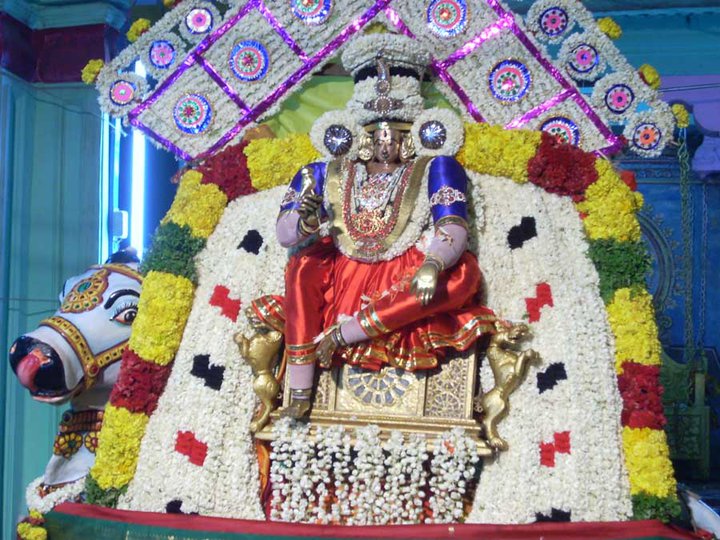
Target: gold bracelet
<point x="305" y="229"/>
<point x="338" y="338"/>
<point x="434" y="259"/>
<point x="451" y="220"/>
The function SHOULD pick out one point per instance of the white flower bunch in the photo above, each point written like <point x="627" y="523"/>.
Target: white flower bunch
<point x="367" y="498"/>
<point x="659" y="123"/>
<point x="298" y="491"/>
<point x="452" y="468"/>
<point x="70" y="492"/>
<point x="406" y="478"/>
<point x="398" y="49"/>
<point x="341" y="118"/>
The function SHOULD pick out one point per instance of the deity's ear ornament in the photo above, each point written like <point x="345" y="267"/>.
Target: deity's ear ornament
<point x="336" y="134"/>
<point x="438" y="132"/>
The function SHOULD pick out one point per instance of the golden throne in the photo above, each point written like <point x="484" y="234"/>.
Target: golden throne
<point x="428" y="402"/>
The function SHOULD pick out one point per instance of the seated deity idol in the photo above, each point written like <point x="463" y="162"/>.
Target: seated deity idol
<point x="380" y="273"/>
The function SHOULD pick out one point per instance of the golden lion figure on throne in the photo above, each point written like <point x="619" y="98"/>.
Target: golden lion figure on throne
<point x="380" y="274"/>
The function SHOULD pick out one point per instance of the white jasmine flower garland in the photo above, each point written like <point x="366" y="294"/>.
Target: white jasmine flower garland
<point x="227" y="484"/>
<point x="474" y="73"/>
<point x="590" y="481"/>
<point x="648" y="132"/>
<point x="341" y="118"/>
<point x="70" y="492"/>
<point x="397" y="50"/>
<point x="451" y="470"/>
<point x="454" y="132"/>
<point x="640" y="91"/>
<point x="569" y="55"/>
<point x="406" y="478"/>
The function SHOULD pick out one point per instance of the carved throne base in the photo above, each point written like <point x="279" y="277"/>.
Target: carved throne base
<point x="429" y="402"/>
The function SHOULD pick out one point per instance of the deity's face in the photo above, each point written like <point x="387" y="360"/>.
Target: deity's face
<point x="386" y="144"/>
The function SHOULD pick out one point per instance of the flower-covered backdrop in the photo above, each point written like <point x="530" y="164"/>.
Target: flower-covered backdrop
<point x="559" y="246"/>
<point x="216" y="68"/>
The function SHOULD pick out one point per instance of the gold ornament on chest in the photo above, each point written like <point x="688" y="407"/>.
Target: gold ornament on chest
<point x="373" y="210"/>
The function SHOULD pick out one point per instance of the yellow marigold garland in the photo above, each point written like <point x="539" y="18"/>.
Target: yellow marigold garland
<point x="137" y="29"/>
<point x="648" y="462"/>
<point x="632" y="320"/>
<point x="610" y="207"/>
<point x="163" y="310"/>
<point x="119" y="441"/>
<point x="681" y="114"/>
<point x="27" y="531"/>
<point x="497" y="151"/>
<point x="650" y="75"/>
<point x="199" y="206"/>
<point x="91" y="71"/>
<point x="609" y="27"/>
<point x="274" y="162"/>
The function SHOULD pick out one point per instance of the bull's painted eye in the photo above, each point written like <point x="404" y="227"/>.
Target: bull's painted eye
<point x="125" y="314"/>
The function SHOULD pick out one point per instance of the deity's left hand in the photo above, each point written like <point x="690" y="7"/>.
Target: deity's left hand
<point x="425" y="282"/>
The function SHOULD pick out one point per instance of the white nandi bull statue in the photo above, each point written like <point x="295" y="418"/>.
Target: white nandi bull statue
<point x="74" y="356"/>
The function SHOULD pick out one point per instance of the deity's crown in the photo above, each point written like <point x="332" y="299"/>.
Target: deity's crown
<point x="398" y="51"/>
<point x="387" y="70"/>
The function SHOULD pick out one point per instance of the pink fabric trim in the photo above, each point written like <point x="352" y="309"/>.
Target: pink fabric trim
<point x="352" y="332"/>
<point x="286" y="229"/>
<point x="301" y="377"/>
<point x="449" y="248"/>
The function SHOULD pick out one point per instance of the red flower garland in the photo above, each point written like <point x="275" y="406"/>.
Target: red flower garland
<point x="229" y="171"/>
<point x="562" y="168"/>
<point x="139" y="384"/>
<point x="641" y="392"/>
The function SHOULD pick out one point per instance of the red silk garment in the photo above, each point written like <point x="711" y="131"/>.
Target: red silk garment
<point x="322" y="285"/>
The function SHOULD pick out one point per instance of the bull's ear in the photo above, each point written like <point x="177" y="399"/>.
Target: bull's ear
<point x="127" y="255"/>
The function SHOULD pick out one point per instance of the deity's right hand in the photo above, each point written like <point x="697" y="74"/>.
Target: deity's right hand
<point x="309" y="211"/>
<point x="310" y="205"/>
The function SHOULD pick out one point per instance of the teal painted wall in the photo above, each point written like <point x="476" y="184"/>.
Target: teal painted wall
<point x="49" y="170"/>
<point x="49" y="209"/>
<point x="675" y="42"/>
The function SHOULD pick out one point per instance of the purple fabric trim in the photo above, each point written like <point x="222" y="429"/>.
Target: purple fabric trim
<point x="499" y="10"/>
<point x="296" y="77"/>
<point x="610" y="137"/>
<point x="488" y="33"/>
<point x="205" y="44"/>
<point x="449" y="250"/>
<point x="278" y="27"/>
<point x="613" y="149"/>
<point x="160" y="90"/>
<point x="188" y="62"/>
<point x="394" y="17"/>
<point x="135" y="122"/>
<point x="540" y="109"/>
<point x="455" y="87"/>
<point x="207" y="66"/>
<point x="558" y="76"/>
<point x="445" y="171"/>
